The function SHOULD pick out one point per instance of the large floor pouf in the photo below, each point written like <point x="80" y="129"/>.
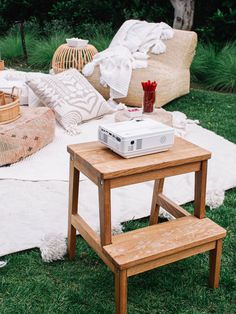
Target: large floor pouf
<point x="25" y="136"/>
<point x="170" y="70"/>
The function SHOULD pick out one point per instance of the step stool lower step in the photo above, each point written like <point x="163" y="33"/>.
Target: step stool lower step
<point x="189" y="235"/>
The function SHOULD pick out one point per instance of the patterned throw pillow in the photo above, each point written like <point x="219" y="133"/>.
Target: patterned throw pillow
<point x="71" y="97"/>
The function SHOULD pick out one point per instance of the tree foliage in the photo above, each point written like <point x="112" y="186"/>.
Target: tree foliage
<point x="214" y="19"/>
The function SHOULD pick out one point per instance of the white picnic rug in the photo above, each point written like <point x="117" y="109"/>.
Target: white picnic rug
<point x="34" y="191"/>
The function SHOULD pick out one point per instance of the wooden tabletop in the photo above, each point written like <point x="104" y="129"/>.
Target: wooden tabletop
<point x="107" y="164"/>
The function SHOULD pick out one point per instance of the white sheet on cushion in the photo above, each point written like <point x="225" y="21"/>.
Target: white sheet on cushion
<point x="34" y="205"/>
<point x="6" y="86"/>
<point x="10" y="78"/>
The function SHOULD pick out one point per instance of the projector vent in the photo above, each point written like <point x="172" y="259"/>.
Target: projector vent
<point x="104" y="137"/>
<point x="139" y="143"/>
<point x="163" y="139"/>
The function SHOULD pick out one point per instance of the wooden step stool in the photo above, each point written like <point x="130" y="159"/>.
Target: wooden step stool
<point x="140" y="250"/>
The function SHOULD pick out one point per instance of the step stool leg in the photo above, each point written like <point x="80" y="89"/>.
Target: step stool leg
<point x="158" y="188"/>
<point x="73" y="207"/>
<point x="121" y="291"/>
<point x="200" y="190"/>
<point x="215" y="259"/>
<point x="104" y="197"/>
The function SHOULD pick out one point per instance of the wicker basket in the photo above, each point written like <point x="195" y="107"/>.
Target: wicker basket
<point x="9" y="107"/>
<point x="66" y="57"/>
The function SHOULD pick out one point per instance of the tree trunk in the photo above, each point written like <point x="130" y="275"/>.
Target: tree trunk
<point x="184" y="13"/>
<point x="22" y="34"/>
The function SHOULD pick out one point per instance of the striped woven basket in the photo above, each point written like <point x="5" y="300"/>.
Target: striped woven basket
<point x="9" y="107"/>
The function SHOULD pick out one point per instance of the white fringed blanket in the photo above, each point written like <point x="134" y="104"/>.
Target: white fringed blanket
<point x="29" y="210"/>
<point x="127" y="51"/>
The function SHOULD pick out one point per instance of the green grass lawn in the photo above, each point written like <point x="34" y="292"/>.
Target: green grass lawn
<point x="86" y="285"/>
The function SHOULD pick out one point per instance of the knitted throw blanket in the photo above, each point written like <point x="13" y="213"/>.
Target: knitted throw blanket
<point x="128" y="50"/>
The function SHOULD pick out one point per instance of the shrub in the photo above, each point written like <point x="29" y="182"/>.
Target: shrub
<point x="101" y="42"/>
<point x="54" y="27"/>
<point x="99" y="35"/>
<point x="3" y="24"/>
<point x="41" y="55"/>
<point x="211" y="17"/>
<point x="215" y="20"/>
<point x="203" y="60"/>
<point x="11" y="46"/>
<point x="215" y="67"/>
<point x="222" y="76"/>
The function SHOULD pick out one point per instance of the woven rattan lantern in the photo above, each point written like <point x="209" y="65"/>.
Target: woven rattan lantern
<point x="67" y="57"/>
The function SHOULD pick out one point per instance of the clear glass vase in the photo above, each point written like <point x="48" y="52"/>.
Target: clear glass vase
<point x="149" y="98"/>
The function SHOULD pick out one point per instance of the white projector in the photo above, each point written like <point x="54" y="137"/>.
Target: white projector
<point x="136" y="137"/>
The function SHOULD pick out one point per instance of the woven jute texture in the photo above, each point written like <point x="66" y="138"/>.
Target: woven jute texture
<point x="170" y="70"/>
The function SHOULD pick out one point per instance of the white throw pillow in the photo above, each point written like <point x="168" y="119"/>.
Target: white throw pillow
<point x="71" y="97"/>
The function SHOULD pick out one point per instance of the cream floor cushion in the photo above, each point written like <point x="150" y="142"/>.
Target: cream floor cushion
<point x="170" y="70"/>
<point x="25" y="136"/>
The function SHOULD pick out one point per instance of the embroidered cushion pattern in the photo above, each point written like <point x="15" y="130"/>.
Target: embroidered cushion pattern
<point x="71" y="97"/>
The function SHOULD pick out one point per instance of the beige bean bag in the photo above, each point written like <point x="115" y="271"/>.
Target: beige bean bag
<point x="170" y="70"/>
<point x="25" y="136"/>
